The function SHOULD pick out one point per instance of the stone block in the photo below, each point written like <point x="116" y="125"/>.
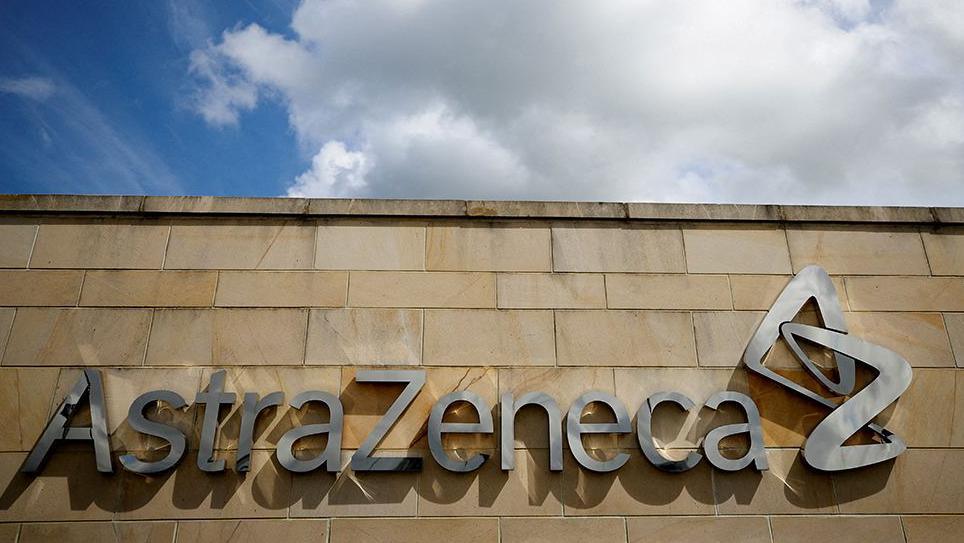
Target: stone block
<point x="70" y="203"/>
<point x="858" y="214"/>
<point x="189" y="493"/>
<point x="625" y="338"/>
<point x="282" y="289"/>
<point x="530" y="209"/>
<point x="25" y="398"/>
<point x="562" y="530"/>
<point x="624" y="291"/>
<point x="366" y="403"/>
<point x="760" y="291"/>
<point x="227" y="337"/>
<point x="40" y="288"/>
<point x="354" y="494"/>
<point x="917" y="481"/>
<point x="837" y="528"/>
<point x="420" y="530"/>
<point x="69" y="489"/>
<point x="722" y="336"/>
<point x="957" y="431"/>
<point x="732" y="249"/>
<point x="955" y="330"/>
<point x="578" y="248"/>
<point x="924" y="416"/>
<point x="923" y="529"/>
<point x="948" y="215"/>
<point x="528" y="490"/>
<point x="636" y="489"/>
<point x="551" y="290"/>
<point x="385" y="207"/>
<point x="470" y="247"/>
<point x="78" y="337"/>
<point x="149" y="288"/>
<point x="6" y="323"/>
<point x="16" y="241"/>
<point x="100" y="244"/>
<point x="717" y="212"/>
<point x="360" y="336"/>
<point x="488" y="338"/>
<point x="224" y="205"/>
<point x="252" y="531"/>
<point x="422" y="289"/>
<point x="906" y="293"/>
<point x="688" y="529"/>
<point x="87" y="532"/>
<point x="918" y="337"/>
<point x="855" y="251"/>
<point x="945" y="251"/>
<point x="241" y="244"/>
<point x="788" y="487"/>
<point x="358" y="245"/>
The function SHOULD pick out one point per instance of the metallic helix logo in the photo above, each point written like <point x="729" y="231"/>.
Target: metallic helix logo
<point x="824" y="448"/>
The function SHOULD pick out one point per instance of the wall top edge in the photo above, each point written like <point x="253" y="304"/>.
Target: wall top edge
<point x="482" y="209"/>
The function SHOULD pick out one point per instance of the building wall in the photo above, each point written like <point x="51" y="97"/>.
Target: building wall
<point x="491" y="297"/>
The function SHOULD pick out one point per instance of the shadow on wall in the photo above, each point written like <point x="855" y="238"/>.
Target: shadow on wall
<point x="70" y="487"/>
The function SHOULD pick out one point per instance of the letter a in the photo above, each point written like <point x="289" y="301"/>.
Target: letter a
<point x="89" y="386"/>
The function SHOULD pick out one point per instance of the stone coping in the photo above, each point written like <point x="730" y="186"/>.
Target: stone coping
<point x="487" y="209"/>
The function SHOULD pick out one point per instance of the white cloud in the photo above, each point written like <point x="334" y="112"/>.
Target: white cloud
<point x="335" y="171"/>
<point x="225" y="93"/>
<point x="34" y="88"/>
<point x="819" y="101"/>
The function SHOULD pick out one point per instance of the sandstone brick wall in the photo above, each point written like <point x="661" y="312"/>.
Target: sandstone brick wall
<point x="491" y="297"/>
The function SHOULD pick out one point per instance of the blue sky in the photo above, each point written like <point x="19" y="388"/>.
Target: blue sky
<point x="748" y="101"/>
<point x="118" y="118"/>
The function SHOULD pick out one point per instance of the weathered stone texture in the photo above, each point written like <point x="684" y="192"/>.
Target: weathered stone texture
<point x="626" y="291"/>
<point x="884" y="293"/>
<point x="16" y="241"/>
<point x="488" y="338"/>
<point x="604" y="248"/>
<point x="135" y="244"/>
<point x="77" y="337"/>
<point x="843" y="529"/>
<point x="422" y="289"/>
<point x="40" y="287"/>
<point x="261" y="245"/>
<point x="736" y="250"/>
<point x="355" y="246"/>
<point x="487" y="248"/>
<point x="562" y="530"/>
<point x="360" y="336"/>
<point x="945" y="251"/>
<point x="688" y="529"/>
<point x="281" y="289"/>
<point x="246" y="337"/>
<point x="415" y="530"/>
<point x="858" y="251"/>
<point x="148" y="288"/>
<point x="87" y="532"/>
<point x="551" y="290"/>
<point x="625" y="338"/>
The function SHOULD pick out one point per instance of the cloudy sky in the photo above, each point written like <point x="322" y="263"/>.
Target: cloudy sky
<point x="788" y="101"/>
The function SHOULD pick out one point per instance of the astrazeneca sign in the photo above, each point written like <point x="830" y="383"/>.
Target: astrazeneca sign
<point x="824" y="448"/>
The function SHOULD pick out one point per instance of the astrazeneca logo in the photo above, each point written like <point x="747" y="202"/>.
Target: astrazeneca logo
<point x="824" y="448"/>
